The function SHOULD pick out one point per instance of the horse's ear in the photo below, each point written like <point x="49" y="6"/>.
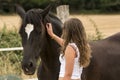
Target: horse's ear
<point x="20" y="11"/>
<point x="46" y="10"/>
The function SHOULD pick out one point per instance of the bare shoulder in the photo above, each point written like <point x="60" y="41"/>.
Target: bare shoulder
<point x="70" y="51"/>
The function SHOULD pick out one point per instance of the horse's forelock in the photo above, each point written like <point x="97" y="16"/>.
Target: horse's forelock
<point x="31" y="17"/>
<point x="34" y="16"/>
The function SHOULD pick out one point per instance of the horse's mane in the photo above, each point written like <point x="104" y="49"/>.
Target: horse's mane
<point x="53" y="16"/>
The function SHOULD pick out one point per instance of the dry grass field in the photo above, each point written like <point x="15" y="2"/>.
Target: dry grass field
<point x="107" y="24"/>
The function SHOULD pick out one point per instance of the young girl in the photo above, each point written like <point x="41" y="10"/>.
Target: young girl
<point x="75" y="49"/>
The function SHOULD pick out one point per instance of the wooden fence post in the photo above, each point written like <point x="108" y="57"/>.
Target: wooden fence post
<point x="63" y="12"/>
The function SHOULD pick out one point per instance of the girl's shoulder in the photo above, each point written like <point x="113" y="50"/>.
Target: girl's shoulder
<point x="74" y="46"/>
<point x="70" y="52"/>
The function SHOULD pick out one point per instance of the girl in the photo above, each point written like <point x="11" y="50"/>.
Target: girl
<point x="75" y="49"/>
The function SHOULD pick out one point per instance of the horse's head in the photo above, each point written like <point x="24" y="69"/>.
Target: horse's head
<point x="32" y="32"/>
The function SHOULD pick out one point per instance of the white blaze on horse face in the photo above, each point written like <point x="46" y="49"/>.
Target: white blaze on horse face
<point x="28" y="29"/>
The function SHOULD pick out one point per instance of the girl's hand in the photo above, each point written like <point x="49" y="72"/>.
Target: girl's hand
<point x="52" y="35"/>
<point x="49" y="29"/>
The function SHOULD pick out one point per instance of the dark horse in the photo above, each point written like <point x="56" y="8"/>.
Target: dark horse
<point x="37" y="44"/>
<point x="105" y="61"/>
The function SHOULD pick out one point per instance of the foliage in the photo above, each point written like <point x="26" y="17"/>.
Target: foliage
<point x="10" y="61"/>
<point x="76" y="5"/>
<point x="98" y="35"/>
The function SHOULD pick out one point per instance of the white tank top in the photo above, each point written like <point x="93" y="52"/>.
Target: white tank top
<point x="77" y="70"/>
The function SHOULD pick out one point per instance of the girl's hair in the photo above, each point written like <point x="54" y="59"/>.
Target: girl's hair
<point x="73" y="31"/>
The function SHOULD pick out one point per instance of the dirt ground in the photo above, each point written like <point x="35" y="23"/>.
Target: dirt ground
<point x="107" y="24"/>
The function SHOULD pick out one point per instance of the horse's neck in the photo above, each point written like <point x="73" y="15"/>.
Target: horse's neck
<point x="57" y="24"/>
<point x="51" y="51"/>
<point x="50" y="56"/>
<point x="52" y="48"/>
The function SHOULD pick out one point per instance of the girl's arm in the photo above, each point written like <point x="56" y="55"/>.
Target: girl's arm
<point x="69" y="60"/>
<point x="52" y="35"/>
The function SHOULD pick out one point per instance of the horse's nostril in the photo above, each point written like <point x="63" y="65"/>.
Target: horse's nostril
<point x="30" y="64"/>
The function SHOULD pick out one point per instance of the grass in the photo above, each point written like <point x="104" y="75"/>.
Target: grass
<point x="98" y="35"/>
<point x="10" y="61"/>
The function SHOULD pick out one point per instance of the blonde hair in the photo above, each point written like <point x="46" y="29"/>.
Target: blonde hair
<point x="73" y="31"/>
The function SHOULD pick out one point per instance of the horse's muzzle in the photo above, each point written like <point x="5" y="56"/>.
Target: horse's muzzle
<point x="29" y="69"/>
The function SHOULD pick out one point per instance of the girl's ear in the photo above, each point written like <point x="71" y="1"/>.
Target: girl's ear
<point x="20" y="11"/>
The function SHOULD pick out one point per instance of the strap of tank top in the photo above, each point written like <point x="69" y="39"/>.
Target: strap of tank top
<point x="74" y="46"/>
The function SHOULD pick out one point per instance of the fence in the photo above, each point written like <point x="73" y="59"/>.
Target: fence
<point x="11" y="49"/>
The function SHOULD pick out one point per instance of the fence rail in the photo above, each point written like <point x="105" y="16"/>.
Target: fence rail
<point x="11" y="49"/>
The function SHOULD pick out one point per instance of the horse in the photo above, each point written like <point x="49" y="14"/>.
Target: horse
<point x="105" y="59"/>
<point x="37" y="44"/>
